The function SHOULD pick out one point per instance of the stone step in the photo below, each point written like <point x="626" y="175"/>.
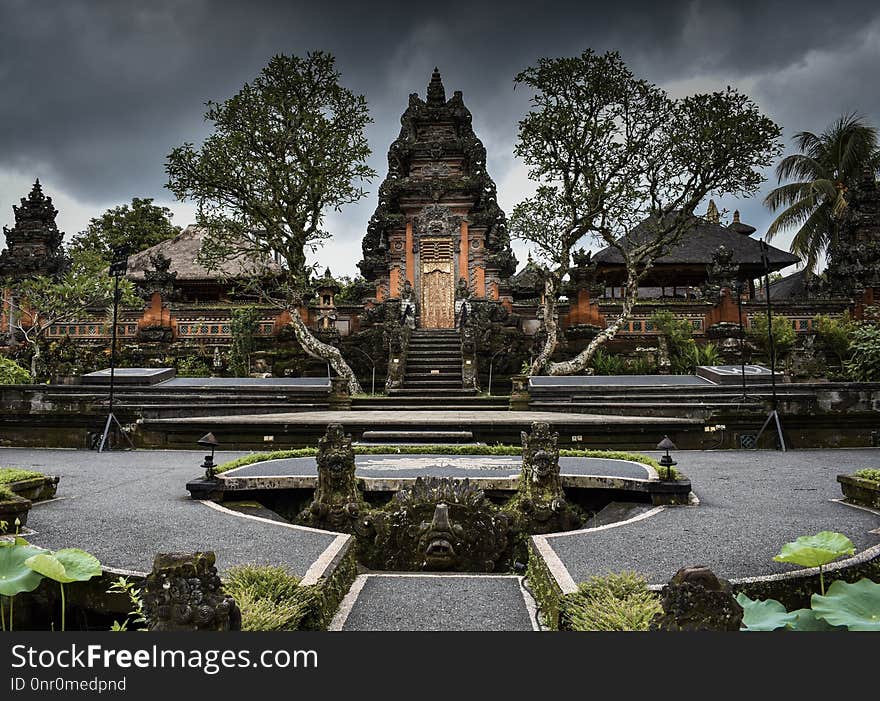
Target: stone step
<point x="436" y="602"/>
<point x="413" y="375"/>
<point x="428" y="365"/>
<point x="440" y="357"/>
<point x="416" y="436"/>
<point x="440" y="391"/>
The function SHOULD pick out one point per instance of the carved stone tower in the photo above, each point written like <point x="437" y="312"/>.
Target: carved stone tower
<point x="438" y="218"/>
<point x="33" y="245"/>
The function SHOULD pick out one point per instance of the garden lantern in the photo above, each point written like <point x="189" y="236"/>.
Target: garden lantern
<point x="208" y="441"/>
<point x="667" y="461"/>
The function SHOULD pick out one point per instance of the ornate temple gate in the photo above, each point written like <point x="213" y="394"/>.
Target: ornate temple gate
<point x="437" y="283"/>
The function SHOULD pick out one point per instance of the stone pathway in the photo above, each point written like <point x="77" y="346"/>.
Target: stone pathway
<point x="124" y="507"/>
<point x="436" y="602"/>
<point x="750" y="504"/>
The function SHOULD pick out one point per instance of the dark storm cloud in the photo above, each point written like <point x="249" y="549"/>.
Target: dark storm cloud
<point x="95" y="94"/>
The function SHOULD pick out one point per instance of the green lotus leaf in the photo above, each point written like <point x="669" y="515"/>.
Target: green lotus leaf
<point x="763" y="615"/>
<point x="816" y="550"/>
<point x="856" y="606"/>
<point x="65" y="566"/>
<point x="15" y="575"/>
<point x="807" y="622"/>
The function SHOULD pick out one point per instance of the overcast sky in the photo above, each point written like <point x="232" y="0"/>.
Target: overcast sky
<point x="96" y="93"/>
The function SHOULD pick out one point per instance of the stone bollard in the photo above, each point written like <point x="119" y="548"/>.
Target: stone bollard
<point x="519" y="395"/>
<point x="184" y="592"/>
<point x="696" y="599"/>
<point x="340" y="399"/>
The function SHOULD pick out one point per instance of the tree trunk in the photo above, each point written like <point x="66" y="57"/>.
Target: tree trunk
<point x="34" y="360"/>
<point x="583" y="359"/>
<point x="323" y="351"/>
<point x="550" y="326"/>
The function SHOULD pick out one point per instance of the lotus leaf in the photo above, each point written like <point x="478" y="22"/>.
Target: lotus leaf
<point x="816" y="550"/>
<point x="65" y="566"/>
<point x="856" y="605"/>
<point x="15" y="575"/>
<point x="763" y="615"/>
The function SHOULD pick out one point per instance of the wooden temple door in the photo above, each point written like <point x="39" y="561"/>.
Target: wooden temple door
<point x="437" y="282"/>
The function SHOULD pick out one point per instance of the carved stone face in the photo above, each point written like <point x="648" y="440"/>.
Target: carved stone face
<point x="543" y="464"/>
<point x="336" y="463"/>
<point x="439" y="539"/>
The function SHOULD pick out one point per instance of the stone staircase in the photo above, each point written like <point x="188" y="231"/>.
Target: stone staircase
<point x="433" y="366"/>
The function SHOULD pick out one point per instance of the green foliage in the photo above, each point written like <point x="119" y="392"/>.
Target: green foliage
<point x="65" y="566"/>
<point x="15" y="575"/>
<point x="353" y="289"/>
<point x="245" y="324"/>
<point x="823" y="173"/>
<point x="868" y="474"/>
<point x="605" y="363"/>
<point x="438" y="450"/>
<point x="284" y="149"/>
<point x="836" y="333"/>
<point x="43" y="301"/>
<point x="764" y="615"/>
<point x="6" y="494"/>
<point x="11" y="373"/>
<point x="15" y="474"/>
<point x="133" y="228"/>
<point x="136" y="618"/>
<point x="684" y="353"/>
<point x="610" y="151"/>
<point x="270" y="598"/>
<point x="784" y="335"/>
<point x="856" y="605"/>
<point x="616" y="602"/>
<point x="864" y="362"/>
<point x="816" y="550"/>
<point x="193" y="366"/>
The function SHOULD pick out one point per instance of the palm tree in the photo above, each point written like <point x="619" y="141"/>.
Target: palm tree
<point x="828" y="166"/>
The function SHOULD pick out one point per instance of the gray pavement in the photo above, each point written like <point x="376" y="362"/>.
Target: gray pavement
<point x="750" y="504"/>
<point x="124" y="507"/>
<point x="402" y="466"/>
<point x="435" y="602"/>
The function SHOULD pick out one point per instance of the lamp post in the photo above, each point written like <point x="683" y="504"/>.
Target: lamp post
<point x="771" y="342"/>
<point x="118" y="269"/>
<point x="208" y="441"/>
<point x="666" y="460"/>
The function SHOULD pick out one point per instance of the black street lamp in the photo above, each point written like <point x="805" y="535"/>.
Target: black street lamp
<point x="118" y="269"/>
<point x="208" y="441"/>
<point x="666" y="460"/>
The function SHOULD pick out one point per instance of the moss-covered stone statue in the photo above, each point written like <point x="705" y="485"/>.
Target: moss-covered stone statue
<point x="184" y="592"/>
<point x="439" y="525"/>
<point x="338" y="504"/>
<point x="540" y="501"/>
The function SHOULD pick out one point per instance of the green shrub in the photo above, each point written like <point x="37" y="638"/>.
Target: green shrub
<point x="864" y="363"/>
<point x="616" y="602"/>
<point x="784" y="335"/>
<point x="868" y="474"/>
<point x="14" y="474"/>
<point x="11" y="373"/>
<point x="836" y="333"/>
<point x="6" y="494"/>
<point x="193" y="366"/>
<point x="603" y="363"/>
<point x="270" y="598"/>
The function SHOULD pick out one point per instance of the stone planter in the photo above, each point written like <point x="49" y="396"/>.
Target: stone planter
<point x="671" y="492"/>
<point x="37" y="488"/>
<point x="860" y="491"/>
<point x="12" y="509"/>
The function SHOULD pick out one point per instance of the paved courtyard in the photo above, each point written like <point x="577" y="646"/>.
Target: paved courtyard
<point x="126" y="506"/>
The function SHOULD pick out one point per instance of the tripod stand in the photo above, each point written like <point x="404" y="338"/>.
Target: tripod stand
<point x="774" y="414"/>
<point x="117" y="269"/>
